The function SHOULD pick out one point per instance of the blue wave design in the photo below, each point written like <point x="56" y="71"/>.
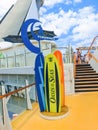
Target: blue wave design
<point x="25" y="38"/>
<point x="40" y="68"/>
<point x="39" y="78"/>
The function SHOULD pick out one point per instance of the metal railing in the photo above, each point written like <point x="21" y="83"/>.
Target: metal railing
<point x="5" y="123"/>
<point x="67" y="53"/>
<point x="93" y="45"/>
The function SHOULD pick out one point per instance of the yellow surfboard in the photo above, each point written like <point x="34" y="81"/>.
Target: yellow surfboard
<point x="58" y="55"/>
<point x="52" y="84"/>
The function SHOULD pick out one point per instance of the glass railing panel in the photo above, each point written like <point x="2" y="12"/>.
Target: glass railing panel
<point x="30" y="59"/>
<point x="10" y="62"/>
<point x="33" y="94"/>
<point x="94" y="45"/>
<point x="3" y="63"/>
<point x="1" y="110"/>
<point x="20" y="60"/>
<point x="0" y="91"/>
<point x="17" y="104"/>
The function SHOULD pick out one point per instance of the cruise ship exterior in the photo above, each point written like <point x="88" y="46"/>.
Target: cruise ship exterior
<point x="16" y="61"/>
<point x="21" y="11"/>
<point x="19" y="108"/>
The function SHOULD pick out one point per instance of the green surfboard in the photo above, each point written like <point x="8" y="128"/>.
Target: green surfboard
<point x="52" y="84"/>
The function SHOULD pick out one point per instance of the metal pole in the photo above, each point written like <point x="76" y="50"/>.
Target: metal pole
<point x="29" y="105"/>
<point x="39" y="45"/>
<point x="1" y="124"/>
<point x="6" y="120"/>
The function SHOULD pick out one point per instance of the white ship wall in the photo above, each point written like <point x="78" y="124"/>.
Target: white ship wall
<point x="18" y="65"/>
<point x="33" y="11"/>
<point x="69" y="78"/>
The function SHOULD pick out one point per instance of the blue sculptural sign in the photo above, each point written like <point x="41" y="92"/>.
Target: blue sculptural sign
<point x="32" y="23"/>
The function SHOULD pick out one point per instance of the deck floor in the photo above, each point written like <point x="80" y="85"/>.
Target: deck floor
<point x="83" y="115"/>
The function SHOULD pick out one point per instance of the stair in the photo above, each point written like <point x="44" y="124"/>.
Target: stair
<point x="86" y="79"/>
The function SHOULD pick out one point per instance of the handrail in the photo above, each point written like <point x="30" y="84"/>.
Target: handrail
<point x="92" y="43"/>
<point x="89" y="53"/>
<point x="92" y="56"/>
<point x="13" y="92"/>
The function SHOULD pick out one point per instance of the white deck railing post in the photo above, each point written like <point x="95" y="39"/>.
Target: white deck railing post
<point x="29" y="105"/>
<point x="6" y="120"/>
<point x="1" y="124"/>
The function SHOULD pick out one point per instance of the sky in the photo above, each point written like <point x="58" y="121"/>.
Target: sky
<point x="74" y="22"/>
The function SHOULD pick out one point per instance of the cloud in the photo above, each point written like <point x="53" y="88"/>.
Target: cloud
<point x="77" y="26"/>
<point x="67" y="2"/>
<point x="74" y="26"/>
<point x="86" y="26"/>
<point x="43" y="10"/>
<point x="77" y="1"/>
<point x="49" y="5"/>
<point x="60" y="22"/>
<point x="52" y="3"/>
<point x="86" y="11"/>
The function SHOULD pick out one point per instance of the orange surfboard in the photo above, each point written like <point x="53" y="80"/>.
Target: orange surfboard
<point x="58" y="55"/>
